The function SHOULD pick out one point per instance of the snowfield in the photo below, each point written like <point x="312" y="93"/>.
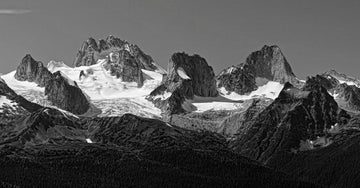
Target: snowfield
<point x="231" y="100"/>
<point x="269" y="90"/>
<point x="111" y="96"/>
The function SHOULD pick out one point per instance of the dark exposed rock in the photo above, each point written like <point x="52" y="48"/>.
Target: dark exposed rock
<point x="267" y="64"/>
<point x="66" y="95"/>
<point x="348" y="97"/>
<point x="129" y="151"/>
<point x="87" y="54"/>
<point x="327" y="82"/>
<point x="13" y="108"/>
<point x="91" y="51"/>
<point x="125" y="60"/>
<point x="123" y="65"/>
<point x="32" y="71"/>
<point x="333" y="166"/>
<point x="296" y="115"/>
<point x="187" y="76"/>
<point x="342" y="77"/>
<point x="10" y="94"/>
<point x="241" y="121"/>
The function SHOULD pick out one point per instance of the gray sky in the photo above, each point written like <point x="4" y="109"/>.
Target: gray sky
<point x="314" y="35"/>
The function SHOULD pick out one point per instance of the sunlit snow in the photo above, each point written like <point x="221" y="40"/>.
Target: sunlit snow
<point x="269" y="90"/>
<point x="88" y="140"/>
<point x="181" y="72"/>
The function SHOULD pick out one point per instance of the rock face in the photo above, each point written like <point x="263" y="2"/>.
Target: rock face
<point x="297" y="116"/>
<point x="241" y="121"/>
<point x="188" y="76"/>
<point x="123" y="65"/>
<point x="13" y="108"/>
<point x="125" y="60"/>
<point x="32" y="71"/>
<point x="91" y="51"/>
<point x="347" y="96"/>
<point x="267" y="64"/>
<point x="342" y="78"/>
<point x="66" y="95"/>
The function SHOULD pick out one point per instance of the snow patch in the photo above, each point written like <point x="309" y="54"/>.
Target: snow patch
<point x="269" y="90"/>
<point x="181" y="72"/>
<point x="126" y="47"/>
<point x="350" y="83"/>
<point x="52" y="66"/>
<point x="68" y="80"/>
<point x="20" y="85"/>
<point x="88" y="140"/>
<point x="202" y="104"/>
<point x="4" y="101"/>
<point x="164" y="96"/>
<point x="319" y="142"/>
<point x="231" y="70"/>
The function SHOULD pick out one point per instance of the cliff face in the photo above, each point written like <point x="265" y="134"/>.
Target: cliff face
<point x="91" y="51"/>
<point x="32" y="71"/>
<point x="66" y="95"/>
<point x="187" y="76"/>
<point x="294" y="117"/>
<point x="267" y="64"/>
<point x="123" y="65"/>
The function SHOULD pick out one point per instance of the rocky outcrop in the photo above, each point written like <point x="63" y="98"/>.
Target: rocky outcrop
<point x="65" y="94"/>
<point x="188" y="76"/>
<point x="32" y="71"/>
<point x="125" y="60"/>
<point x="123" y="65"/>
<point x="13" y="108"/>
<point x="91" y="51"/>
<point x="342" y="78"/>
<point x="267" y="64"/>
<point x="295" y="117"/>
<point x="16" y="99"/>
<point x="241" y="121"/>
<point x="348" y="97"/>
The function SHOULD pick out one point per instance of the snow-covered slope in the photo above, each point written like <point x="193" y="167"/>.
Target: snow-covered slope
<point x="231" y="100"/>
<point x="6" y="104"/>
<point x="110" y="95"/>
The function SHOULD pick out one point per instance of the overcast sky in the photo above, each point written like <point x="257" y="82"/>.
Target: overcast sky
<point x="314" y="35"/>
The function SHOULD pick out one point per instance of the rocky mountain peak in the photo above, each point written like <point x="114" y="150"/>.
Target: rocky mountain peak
<point x="266" y="64"/>
<point x="270" y="63"/>
<point x="296" y="116"/>
<point x="66" y="94"/>
<point x="188" y="76"/>
<point x="32" y="71"/>
<point x="123" y="65"/>
<point x="91" y="51"/>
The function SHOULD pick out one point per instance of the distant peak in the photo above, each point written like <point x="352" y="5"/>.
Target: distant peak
<point x="273" y="47"/>
<point x="28" y="57"/>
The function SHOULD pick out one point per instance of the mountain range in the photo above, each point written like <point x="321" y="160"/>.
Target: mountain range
<point x="118" y="119"/>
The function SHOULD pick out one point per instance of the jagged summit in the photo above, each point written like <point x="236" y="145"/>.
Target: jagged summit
<point x="260" y="67"/>
<point x="32" y="71"/>
<point x="66" y="94"/>
<point x="91" y="51"/>
<point x="342" y="78"/>
<point x="297" y="118"/>
<point x="188" y="76"/>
